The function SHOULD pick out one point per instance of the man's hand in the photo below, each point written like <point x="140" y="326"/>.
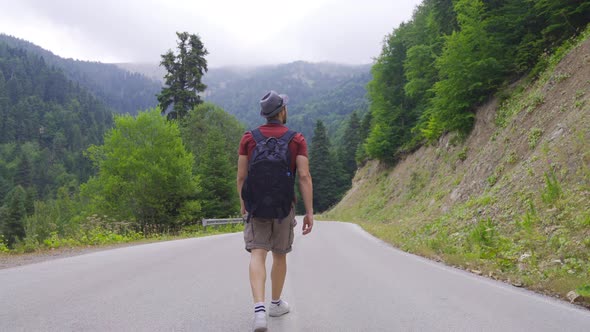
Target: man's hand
<point x="307" y="223"/>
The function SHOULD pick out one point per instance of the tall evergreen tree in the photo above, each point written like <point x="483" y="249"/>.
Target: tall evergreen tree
<point x="212" y="135"/>
<point x="563" y="18"/>
<point x="347" y="151"/>
<point x="12" y="215"/>
<point x="184" y="73"/>
<point x="392" y="122"/>
<point x="217" y="174"/>
<point x="469" y="69"/>
<point x="364" y="130"/>
<point x="326" y="172"/>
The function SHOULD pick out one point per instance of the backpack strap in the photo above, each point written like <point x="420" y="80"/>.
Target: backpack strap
<point x="288" y="136"/>
<point x="258" y="137"/>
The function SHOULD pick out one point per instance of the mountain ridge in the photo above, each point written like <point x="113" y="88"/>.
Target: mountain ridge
<point x="121" y="90"/>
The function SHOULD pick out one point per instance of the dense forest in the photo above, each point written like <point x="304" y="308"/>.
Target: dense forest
<point x="119" y="89"/>
<point x="46" y="123"/>
<point x="71" y="173"/>
<point x="452" y="56"/>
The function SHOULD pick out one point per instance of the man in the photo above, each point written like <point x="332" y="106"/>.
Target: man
<point x="263" y="234"/>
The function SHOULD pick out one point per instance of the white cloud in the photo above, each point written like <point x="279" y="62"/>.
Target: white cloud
<point x="234" y="32"/>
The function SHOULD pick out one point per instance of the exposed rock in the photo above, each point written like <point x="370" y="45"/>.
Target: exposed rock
<point x="556" y="134"/>
<point x="478" y="272"/>
<point x="573" y="296"/>
<point x="523" y="257"/>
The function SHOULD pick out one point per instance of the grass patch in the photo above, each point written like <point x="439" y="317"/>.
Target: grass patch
<point x="584" y="290"/>
<point x="553" y="190"/>
<point x="102" y="237"/>
<point x="534" y="137"/>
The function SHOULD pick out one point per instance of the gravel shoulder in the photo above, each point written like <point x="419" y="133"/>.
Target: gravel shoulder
<point x="13" y="260"/>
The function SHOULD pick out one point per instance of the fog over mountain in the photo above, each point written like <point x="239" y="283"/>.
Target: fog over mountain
<point x="235" y="32"/>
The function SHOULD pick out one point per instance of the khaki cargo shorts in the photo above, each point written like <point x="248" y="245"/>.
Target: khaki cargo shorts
<point x="274" y="235"/>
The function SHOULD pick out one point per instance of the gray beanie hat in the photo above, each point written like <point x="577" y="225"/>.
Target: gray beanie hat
<point x="271" y="104"/>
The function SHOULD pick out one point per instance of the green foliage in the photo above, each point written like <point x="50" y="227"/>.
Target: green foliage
<point x="349" y="146"/>
<point x="184" y="73"/>
<point x="217" y="174"/>
<point x="3" y="247"/>
<point x="552" y="191"/>
<point x="492" y="179"/>
<point x="327" y="173"/>
<point x="390" y="121"/>
<point x="43" y="116"/>
<point x="56" y="215"/>
<point x="418" y="181"/>
<point x="468" y="69"/>
<point x="435" y="69"/>
<point x="12" y="215"/>
<point x="365" y="127"/>
<point x="534" y="136"/>
<point x="213" y="136"/>
<point x="562" y="18"/>
<point x="420" y="71"/>
<point x="483" y="238"/>
<point x="583" y="290"/>
<point x="144" y="171"/>
<point x="462" y="155"/>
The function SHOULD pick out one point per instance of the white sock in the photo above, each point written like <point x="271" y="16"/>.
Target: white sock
<point x="276" y="302"/>
<point x="259" y="308"/>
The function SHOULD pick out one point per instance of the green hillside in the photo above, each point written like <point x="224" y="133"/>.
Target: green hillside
<point x="47" y="121"/>
<point x="119" y="89"/>
<point x="510" y="201"/>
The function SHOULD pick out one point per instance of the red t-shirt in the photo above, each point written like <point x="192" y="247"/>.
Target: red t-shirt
<point x="297" y="147"/>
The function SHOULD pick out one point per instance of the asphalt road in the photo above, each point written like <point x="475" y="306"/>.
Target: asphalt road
<point x="339" y="279"/>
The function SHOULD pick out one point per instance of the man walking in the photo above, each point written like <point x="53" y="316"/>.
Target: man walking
<point x="269" y="157"/>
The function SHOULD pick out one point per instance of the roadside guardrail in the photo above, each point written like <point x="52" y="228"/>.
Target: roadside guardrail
<point x="222" y="221"/>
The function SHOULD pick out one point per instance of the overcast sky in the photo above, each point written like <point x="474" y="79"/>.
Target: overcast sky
<point x="247" y="32"/>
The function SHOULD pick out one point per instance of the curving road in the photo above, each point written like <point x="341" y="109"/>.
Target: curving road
<point x="339" y="279"/>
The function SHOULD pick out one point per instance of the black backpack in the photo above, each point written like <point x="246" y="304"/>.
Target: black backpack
<point x="269" y="188"/>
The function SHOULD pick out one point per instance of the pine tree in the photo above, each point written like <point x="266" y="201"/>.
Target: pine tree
<point x="325" y="170"/>
<point x="12" y="215"/>
<point x="217" y="174"/>
<point x="184" y="73"/>
<point x="364" y="130"/>
<point x="348" y="150"/>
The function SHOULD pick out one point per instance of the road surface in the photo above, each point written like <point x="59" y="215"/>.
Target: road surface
<point x="339" y="279"/>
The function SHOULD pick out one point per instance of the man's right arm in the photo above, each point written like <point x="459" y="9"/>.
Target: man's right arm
<point x="306" y="188"/>
<point x="242" y="173"/>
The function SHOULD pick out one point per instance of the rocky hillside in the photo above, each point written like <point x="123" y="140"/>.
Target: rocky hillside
<point x="511" y="201"/>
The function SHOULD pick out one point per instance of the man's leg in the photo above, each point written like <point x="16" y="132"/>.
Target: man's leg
<point x="258" y="274"/>
<point x="277" y="274"/>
